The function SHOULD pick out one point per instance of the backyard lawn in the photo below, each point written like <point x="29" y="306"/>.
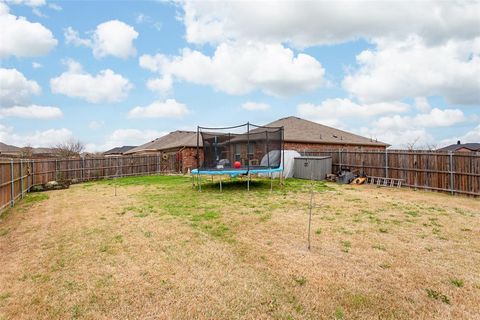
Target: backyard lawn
<point x="154" y="248"/>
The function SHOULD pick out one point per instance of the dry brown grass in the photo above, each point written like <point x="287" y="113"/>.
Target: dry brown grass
<point x="160" y="250"/>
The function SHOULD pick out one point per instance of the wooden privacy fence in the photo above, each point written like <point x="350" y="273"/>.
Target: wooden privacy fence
<point x="457" y="173"/>
<point x="18" y="176"/>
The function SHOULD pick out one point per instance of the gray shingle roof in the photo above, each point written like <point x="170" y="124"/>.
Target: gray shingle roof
<point x="175" y="139"/>
<point x="301" y="130"/>
<point x="453" y="147"/>
<point x="119" y="150"/>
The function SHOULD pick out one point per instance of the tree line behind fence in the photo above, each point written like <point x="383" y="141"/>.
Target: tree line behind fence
<point x="457" y="173"/>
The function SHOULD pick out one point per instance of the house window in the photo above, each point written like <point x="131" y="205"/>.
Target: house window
<point x="238" y="156"/>
<point x="251" y="149"/>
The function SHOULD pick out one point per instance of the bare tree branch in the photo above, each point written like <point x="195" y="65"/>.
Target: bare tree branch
<point x="70" y="148"/>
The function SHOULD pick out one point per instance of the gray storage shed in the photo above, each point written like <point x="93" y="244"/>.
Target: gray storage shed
<point x="311" y="167"/>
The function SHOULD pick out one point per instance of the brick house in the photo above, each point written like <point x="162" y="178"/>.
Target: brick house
<point x="179" y="148"/>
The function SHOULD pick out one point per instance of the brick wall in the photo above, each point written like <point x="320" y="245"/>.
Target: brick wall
<point x="188" y="157"/>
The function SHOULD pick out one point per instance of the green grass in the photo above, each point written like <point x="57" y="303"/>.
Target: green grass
<point x="146" y="181"/>
<point x="346" y="245"/>
<point x="436" y="295"/>
<point x="457" y="282"/>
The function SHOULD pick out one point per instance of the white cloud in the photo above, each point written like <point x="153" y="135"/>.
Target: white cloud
<point x="242" y="68"/>
<point x="38" y="13"/>
<point x="399" y="139"/>
<point x="113" y="38"/>
<point x="397" y="70"/>
<point x="160" y="85"/>
<point x="15" y="89"/>
<point x="307" y="23"/>
<point x="55" y="6"/>
<point x="30" y="3"/>
<point x="143" y="18"/>
<point x="471" y="136"/>
<point x="436" y="118"/>
<point x="255" y="106"/>
<point x="160" y="109"/>
<point x="125" y="137"/>
<point x="36" y="65"/>
<point x="95" y="125"/>
<point x="23" y="38"/>
<point x="46" y="138"/>
<point x="32" y="112"/>
<point x="334" y="111"/>
<point x="106" y="86"/>
<point x="403" y="131"/>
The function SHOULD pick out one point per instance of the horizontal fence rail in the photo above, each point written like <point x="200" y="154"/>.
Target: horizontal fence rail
<point x="454" y="172"/>
<point x="18" y="176"/>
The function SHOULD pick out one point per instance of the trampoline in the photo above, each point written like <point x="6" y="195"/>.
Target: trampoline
<point x="242" y="150"/>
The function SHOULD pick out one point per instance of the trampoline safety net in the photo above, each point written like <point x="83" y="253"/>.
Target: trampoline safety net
<point x="245" y="147"/>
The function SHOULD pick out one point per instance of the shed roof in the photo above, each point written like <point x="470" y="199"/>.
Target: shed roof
<point x="301" y="130"/>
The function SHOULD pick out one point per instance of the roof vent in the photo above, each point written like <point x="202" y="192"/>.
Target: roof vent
<point x="320" y="136"/>
<point x="458" y="142"/>
<point x="335" y="136"/>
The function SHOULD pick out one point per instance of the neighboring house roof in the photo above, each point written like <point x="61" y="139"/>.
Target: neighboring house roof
<point x="119" y="150"/>
<point x="43" y="150"/>
<point x="301" y="130"/>
<point x="5" y="148"/>
<point x="455" y="147"/>
<point x="175" y="139"/>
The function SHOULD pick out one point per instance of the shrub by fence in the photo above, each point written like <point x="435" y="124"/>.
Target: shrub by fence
<point x="17" y="176"/>
<point x="457" y="173"/>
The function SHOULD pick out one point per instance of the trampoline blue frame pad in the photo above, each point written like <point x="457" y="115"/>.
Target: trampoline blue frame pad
<point x="234" y="173"/>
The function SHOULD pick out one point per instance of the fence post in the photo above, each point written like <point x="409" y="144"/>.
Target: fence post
<point x="21" y="179"/>
<point x="32" y="174"/>
<point x="56" y="173"/>
<point x="340" y="159"/>
<point x="452" y="189"/>
<point x="12" y="188"/>
<point x="386" y="163"/>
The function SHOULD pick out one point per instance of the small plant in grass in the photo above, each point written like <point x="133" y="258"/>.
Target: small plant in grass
<point x="379" y="247"/>
<point x="4" y="295"/>
<point x="457" y="282"/>
<point x="346" y="246"/>
<point x="118" y="238"/>
<point x="147" y="234"/>
<point x="339" y="314"/>
<point x="466" y="229"/>
<point x="434" y="294"/>
<point x="301" y="281"/>
<point x="412" y="213"/>
<point x="385" y="266"/>
<point x="4" y="232"/>
<point x="103" y="248"/>
<point x="318" y="231"/>
<point x="383" y="230"/>
<point x="429" y="249"/>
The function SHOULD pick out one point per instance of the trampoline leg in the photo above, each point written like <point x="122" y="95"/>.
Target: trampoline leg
<point x="199" y="183"/>
<point x="248" y="182"/>
<point x="271" y="182"/>
<point x="220" y="184"/>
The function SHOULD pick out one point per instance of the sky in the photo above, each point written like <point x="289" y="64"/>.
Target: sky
<point x="113" y="73"/>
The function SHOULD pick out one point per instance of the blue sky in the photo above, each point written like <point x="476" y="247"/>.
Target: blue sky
<point x="124" y="72"/>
